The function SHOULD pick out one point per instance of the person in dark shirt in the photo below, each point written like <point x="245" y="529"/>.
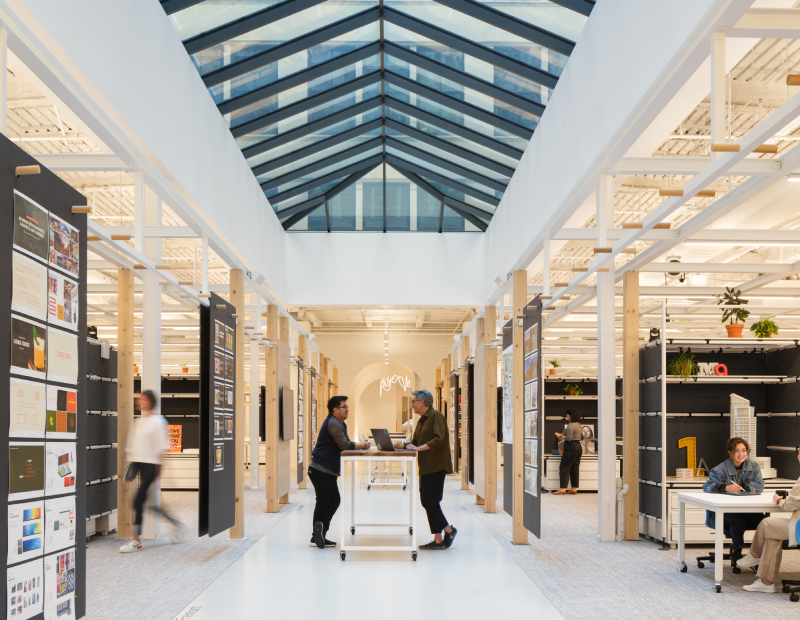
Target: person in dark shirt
<point x="325" y="465"/>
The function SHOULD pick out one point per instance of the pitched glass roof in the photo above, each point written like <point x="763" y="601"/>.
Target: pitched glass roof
<point x="381" y="115"/>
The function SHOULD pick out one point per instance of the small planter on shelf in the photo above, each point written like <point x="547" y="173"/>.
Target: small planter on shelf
<point x="555" y="364"/>
<point x="185" y="369"/>
<point x="684" y="366"/>
<point x="736" y="313"/>
<point x="573" y="389"/>
<point x="765" y="328"/>
<point x="136" y="369"/>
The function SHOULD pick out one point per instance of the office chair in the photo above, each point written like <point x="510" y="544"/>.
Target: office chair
<point x="787" y="583"/>
<point x="711" y="557"/>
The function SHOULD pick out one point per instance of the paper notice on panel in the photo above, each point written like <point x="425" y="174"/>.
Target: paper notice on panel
<point x="25" y="470"/>
<point x="62" y="301"/>
<point x="62" y="412"/>
<point x="62" y="357"/>
<point x="28" y="405"/>
<point x="30" y="227"/>
<point x="60" y="523"/>
<point x="28" y="346"/>
<point x="508" y="395"/>
<point x="60" y="468"/>
<point x="59" y="577"/>
<point x="25" y="531"/>
<point x="25" y="590"/>
<point x="64" y="246"/>
<point x="29" y="287"/>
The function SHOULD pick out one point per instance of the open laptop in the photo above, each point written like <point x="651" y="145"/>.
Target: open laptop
<point x="382" y="439"/>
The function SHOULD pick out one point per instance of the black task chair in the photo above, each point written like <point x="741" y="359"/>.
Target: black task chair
<point x="788" y="583"/>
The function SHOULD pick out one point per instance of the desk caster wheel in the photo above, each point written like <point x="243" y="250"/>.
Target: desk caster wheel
<point x="718" y="588"/>
<point x="342" y="555"/>
<point x="786" y="589"/>
<point x="794" y="598"/>
<point x="410" y="531"/>
<point x="736" y="570"/>
<point x="369" y="486"/>
<point x="700" y="565"/>
<point x="414" y="555"/>
<point x="404" y="487"/>
<point x="684" y="568"/>
<point x="353" y="530"/>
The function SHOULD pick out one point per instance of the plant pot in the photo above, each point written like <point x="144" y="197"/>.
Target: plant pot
<point x="552" y="371"/>
<point x="734" y="330"/>
<point x="136" y="370"/>
<point x="572" y="392"/>
<point x="185" y="370"/>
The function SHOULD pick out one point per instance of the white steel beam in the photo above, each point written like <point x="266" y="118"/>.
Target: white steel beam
<point x="82" y="162"/>
<point x="695" y="234"/>
<point x="718" y="116"/>
<point x="690" y="166"/>
<point x="768" y="24"/>
<point x="715" y="268"/>
<point x="159" y="232"/>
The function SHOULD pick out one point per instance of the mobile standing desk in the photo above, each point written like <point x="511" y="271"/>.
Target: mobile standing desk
<point x="719" y="503"/>
<point x="408" y="459"/>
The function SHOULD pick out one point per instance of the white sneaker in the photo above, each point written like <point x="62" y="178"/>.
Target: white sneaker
<point x="748" y="561"/>
<point x="760" y="586"/>
<point x="131" y="546"/>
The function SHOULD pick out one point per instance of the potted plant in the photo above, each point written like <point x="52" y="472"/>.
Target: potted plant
<point x="185" y="369"/>
<point x="555" y="364"/>
<point x="684" y="366"/>
<point x="735" y="312"/>
<point x="573" y="389"/>
<point x="765" y="328"/>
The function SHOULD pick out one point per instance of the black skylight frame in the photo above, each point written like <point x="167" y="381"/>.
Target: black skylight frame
<point x="415" y="171"/>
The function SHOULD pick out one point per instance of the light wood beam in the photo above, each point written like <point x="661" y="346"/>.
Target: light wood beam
<point x="464" y="423"/>
<point x="237" y="301"/>
<point x="125" y="406"/>
<point x="491" y="410"/>
<point x="271" y="431"/>
<point x="519" y="533"/>
<point x="630" y="400"/>
<point x="284" y="338"/>
<point x="302" y="352"/>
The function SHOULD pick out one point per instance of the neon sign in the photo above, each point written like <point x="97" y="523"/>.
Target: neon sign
<point x="386" y="384"/>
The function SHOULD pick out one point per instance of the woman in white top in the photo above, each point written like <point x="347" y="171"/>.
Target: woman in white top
<point x="147" y="444"/>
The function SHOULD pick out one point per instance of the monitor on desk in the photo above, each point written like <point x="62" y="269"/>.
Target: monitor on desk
<point x="382" y="439"/>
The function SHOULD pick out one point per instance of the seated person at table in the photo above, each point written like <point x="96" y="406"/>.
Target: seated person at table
<point x="733" y="475"/>
<point x="767" y="547"/>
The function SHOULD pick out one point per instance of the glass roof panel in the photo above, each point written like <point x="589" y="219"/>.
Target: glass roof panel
<point x="323" y="134"/>
<point x="544" y="14"/>
<point x="272" y="35"/>
<point x="468" y="95"/>
<point x="458" y="141"/>
<point x="447" y="191"/>
<point x="321" y="173"/>
<point x="466" y="63"/>
<point x="452" y="222"/>
<point x="316" y="221"/>
<point x="308" y="89"/>
<point x="212" y="14"/>
<point x="481" y="32"/>
<point x="313" y="193"/>
<point x="311" y="115"/>
<point x="321" y="155"/>
<point x="426" y="105"/>
<point x="290" y="65"/>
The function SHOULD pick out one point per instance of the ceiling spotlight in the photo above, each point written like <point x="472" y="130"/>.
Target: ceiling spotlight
<point x="794" y="177"/>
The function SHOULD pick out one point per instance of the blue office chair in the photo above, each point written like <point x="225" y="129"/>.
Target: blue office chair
<point x="711" y="557"/>
<point x="787" y="583"/>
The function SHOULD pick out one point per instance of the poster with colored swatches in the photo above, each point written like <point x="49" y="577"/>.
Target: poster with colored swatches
<point x="28" y="287"/>
<point x="25" y="590"/>
<point x="28" y="405"/>
<point x="60" y="523"/>
<point x="59" y="577"/>
<point x="62" y="412"/>
<point x="25" y="531"/>
<point x="60" y="467"/>
<point x="62" y="301"/>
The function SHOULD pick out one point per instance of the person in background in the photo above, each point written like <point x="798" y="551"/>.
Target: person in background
<point x="144" y="452"/>
<point x="736" y="474"/>
<point x="766" y="550"/>
<point x="325" y="467"/>
<point x="569" y="469"/>
<point x="431" y="441"/>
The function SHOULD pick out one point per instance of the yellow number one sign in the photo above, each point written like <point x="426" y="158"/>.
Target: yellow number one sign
<point x="690" y="443"/>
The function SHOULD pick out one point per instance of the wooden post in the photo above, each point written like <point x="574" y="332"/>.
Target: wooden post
<point x="519" y="533"/>
<point x="464" y="424"/>
<point x="335" y="382"/>
<point x="440" y="388"/>
<point x="237" y="301"/>
<point x="479" y="410"/>
<point x="124" y="396"/>
<point x="630" y="400"/>
<point x="491" y="410"/>
<point x="271" y="431"/>
<point x="302" y="353"/>
<point x="284" y="338"/>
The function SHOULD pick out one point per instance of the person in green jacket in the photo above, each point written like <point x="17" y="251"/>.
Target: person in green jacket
<point x="431" y="440"/>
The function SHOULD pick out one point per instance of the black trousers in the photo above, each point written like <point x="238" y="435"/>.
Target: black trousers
<point x="147" y="475"/>
<point x="328" y="499"/>
<point x="739" y="522"/>
<point x="570" y="467"/>
<point x="431" y="491"/>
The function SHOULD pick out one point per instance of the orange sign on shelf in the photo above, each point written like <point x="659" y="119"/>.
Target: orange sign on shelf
<point x="174" y="437"/>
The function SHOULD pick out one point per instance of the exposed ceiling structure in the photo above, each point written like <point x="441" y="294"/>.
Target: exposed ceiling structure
<point x="381" y="115"/>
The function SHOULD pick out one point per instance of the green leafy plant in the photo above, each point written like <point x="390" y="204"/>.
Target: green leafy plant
<point x="765" y="328"/>
<point x="735" y="313"/>
<point x="573" y="389"/>
<point x="554" y="363"/>
<point x="683" y="365"/>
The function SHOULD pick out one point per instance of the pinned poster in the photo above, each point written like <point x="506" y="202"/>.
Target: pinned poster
<point x="27" y="409"/>
<point x="64" y="249"/>
<point x="59" y="578"/>
<point x="25" y="590"/>
<point x="25" y="531"/>
<point x="28" y="347"/>
<point x="28" y="287"/>
<point x="62" y="412"/>
<point x="25" y="470"/>
<point x="60" y="468"/>
<point x="174" y="433"/>
<point x="62" y="357"/>
<point x="30" y="227"/>
<point x="219" y="464"/>
<point x="60" y="523"/>
<point x="62" y="301"/>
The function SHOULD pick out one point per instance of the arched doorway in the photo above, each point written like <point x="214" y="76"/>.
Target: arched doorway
<point x="382" y="405"/>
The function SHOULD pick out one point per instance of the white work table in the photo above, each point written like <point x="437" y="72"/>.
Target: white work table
<point x="719" y="503"/>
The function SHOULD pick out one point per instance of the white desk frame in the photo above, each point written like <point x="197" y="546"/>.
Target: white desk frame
<point x="719" y="503"/>
<point x="409" y="463"/>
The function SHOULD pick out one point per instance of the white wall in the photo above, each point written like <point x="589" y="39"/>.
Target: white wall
<point x="377" y="410"/>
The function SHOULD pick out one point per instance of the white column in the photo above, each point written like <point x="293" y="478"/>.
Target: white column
<point x="546" y="267"/>
<point x="606" y="384"/>
<point x="204" y="261"/>
<point x="138" y="210"/>
<point x="4" y="81"/>
<point x="718" y="133"/>
<point x="151" y="329"/>
<point x="255" y="363"/>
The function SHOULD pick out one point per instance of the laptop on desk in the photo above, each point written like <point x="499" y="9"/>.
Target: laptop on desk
<point x="382" y="439"/>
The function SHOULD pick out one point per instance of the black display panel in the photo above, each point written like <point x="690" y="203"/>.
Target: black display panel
<point x="455" y="421"/>
<point x="533" y="423"/>
<point x="286" y="420"/>
<point x="217" y="493"/>
<point x="469" y="409"/>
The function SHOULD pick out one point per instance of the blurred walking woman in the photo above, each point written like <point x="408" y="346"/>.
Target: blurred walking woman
<point x="571" y="458"/>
